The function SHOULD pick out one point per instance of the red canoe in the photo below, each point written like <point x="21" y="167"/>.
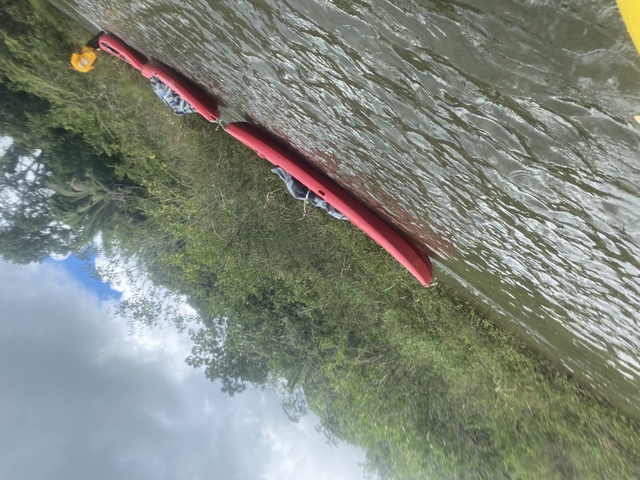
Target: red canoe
<point x="197" y="97"/>
<point x="410" y="256"/>
<point x="116" y="47"/>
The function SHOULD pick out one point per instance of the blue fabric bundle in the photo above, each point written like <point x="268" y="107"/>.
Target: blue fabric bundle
<point x="299" y="191"/>
<point x="178" y="104"/>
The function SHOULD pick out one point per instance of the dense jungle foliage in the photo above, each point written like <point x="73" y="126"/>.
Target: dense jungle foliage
<point x="428" y="387"/>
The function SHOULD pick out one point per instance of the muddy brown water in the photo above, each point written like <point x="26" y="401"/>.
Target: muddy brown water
<point x="498" y="133"/>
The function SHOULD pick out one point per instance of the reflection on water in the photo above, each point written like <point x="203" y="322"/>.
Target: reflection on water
<point x="498" y="134"/>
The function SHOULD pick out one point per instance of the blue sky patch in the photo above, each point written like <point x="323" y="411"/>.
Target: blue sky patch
<point x="82" y="270"/>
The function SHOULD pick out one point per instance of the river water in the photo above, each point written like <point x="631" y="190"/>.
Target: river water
<point x="499" y="134"/>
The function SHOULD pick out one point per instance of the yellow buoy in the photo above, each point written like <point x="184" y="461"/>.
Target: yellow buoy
<point x="630" y="10"/>
<point x="85" y="60"/>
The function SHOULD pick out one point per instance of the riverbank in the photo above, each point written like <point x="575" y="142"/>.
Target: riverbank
<point x="426" y="385"/>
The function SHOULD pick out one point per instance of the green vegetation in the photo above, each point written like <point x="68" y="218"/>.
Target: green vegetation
<point x="428" y="387"/>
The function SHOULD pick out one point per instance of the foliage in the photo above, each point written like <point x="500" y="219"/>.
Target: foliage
<point x="293" y="300"/>
<point x="28" y="230"/>
<point x="48" y="110"/>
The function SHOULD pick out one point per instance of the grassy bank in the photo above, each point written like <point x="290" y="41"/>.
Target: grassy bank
<point x="426" y="386"/>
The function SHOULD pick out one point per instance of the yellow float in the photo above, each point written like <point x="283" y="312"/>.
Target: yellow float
<point x="84" y="60"/>
<point x="630" y="10"/>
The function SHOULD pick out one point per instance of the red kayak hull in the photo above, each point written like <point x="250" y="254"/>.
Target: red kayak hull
<point x="404" y="251"/>
<point x="193" y="93"/>
<point x="116" y="47"/>
<point x="200" y="100"/>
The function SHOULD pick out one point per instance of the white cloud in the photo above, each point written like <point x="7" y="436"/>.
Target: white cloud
<point x="5" y="143"/>
<point x="82" y="398"/>
<point x="58" y="257"/>
<point x="125" y="276"/>
<point x="292" y="454"/>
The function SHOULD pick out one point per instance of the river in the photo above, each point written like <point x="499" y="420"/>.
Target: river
<point x="499" y="134"/>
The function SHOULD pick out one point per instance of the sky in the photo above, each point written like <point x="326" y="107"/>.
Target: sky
<point x="5" y="142"/>
<point x="83" y="398"/>
<point x="83" y="271"/>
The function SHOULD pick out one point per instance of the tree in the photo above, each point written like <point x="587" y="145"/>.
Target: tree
<point x="56" y="199"/>
<point x="28" y="230"/>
